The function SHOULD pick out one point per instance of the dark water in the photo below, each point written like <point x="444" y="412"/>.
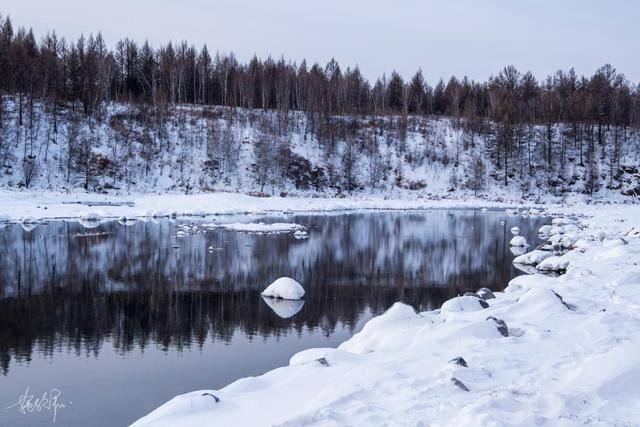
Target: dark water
<point x="119" y="321"/>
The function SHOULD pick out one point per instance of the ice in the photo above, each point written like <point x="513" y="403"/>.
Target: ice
<point x="261" y="227"/>
<point x="284" y="288"/>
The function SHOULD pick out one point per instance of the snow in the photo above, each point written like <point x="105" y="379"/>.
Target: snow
<point x="554" y="263"/>
<point x="42" y="204"/>
<point x="463" y="303"/>
<point x="518" y="241"/>
<point x="532" y="258"/>
<point x="570" y="355"/>
<point x="284" y="288"/>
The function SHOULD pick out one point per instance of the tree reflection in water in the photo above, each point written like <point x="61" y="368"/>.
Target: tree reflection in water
<point x="62" y="290"/>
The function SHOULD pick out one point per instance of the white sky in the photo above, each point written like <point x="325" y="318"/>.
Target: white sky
<point x="467" y="37"/>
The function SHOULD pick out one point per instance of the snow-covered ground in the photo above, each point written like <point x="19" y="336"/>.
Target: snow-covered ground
<point x="41" y="205"/>
<point x="36" y="205"/>
<point x="549" y="350"/>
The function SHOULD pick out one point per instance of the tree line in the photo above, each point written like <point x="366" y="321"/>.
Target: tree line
<point x="89" y="74"/>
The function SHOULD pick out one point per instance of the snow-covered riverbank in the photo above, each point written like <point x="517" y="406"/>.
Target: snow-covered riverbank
<point x="571" y="355"/>
<point x="16" y="205"/>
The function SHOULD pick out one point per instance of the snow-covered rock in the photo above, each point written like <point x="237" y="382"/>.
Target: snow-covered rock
<point x="284" y="288"/>
<point x="561" y="221"/>
<point x="90" y="219"/>
<point x="463" y="303"/>
<point x="563" y="241"/>
<point x="381" y="332"/>
<point x="515" y="230"/>
<point x="554" y="263"/>
<point x="532" y="258"/>
<point x="485" y="293"/>
<point x="538" y="300"/>
<point x="518" y="241"/>
<point x="29" y="219"/>
<point x="300" y="234"/>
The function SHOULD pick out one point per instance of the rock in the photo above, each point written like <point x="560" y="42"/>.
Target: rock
<point x="285" y="288"/>
<point x="562" y="300"/>
<point x="323" y="361"/>
<point x="501" y="325"/>
<point x="459" y="361"/>
<point x="634" y="232"/>
<point x="459" y="383"/>
<point x="215" y="398"/>
<point x="485" y="293"/>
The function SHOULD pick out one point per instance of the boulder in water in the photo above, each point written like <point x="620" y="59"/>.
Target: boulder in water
<point x="284" y="288"/>
<point x="518" y="241"/>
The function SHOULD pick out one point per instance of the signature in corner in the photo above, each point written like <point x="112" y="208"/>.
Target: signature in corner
<point x="29" y="403"/>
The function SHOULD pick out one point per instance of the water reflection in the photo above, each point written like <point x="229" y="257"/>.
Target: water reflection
<point x="284" y="308"/>
<point x="69" y="287"/>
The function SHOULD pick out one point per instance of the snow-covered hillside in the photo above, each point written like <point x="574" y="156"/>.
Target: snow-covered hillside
<point x="191" y="149"/>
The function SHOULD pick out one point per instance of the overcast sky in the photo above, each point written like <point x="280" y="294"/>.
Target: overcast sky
<point x="444" y="37"/>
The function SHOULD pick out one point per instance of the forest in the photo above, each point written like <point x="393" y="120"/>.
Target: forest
<point x="100" y="106"/>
